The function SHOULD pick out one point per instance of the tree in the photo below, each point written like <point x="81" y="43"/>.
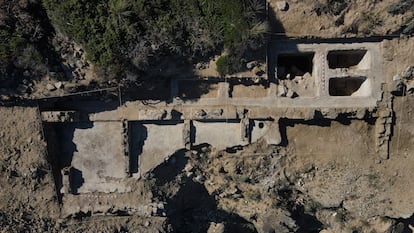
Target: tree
<point x="116" y="32"/>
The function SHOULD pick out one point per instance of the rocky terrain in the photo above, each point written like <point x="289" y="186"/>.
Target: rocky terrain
<point x="326" y="176"/>
<point x="327" y="179"/>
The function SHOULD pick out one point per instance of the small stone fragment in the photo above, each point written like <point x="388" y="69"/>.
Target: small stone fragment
<point x="410" y="86"/>
<point x="396" y="77"/>
<point x="200" y="178"/>
<point x="26" y="73"/>
<point x="282" y="90"/>
<point x="251" y="65"/>
<point x="216" y="228"/>
<point x="291" y="94"/>
<point x="360" y="114"/>
<point x="50" y="87"/>
<point x="307" y="75"/>
<point x="258" y="71"/>
<point x="59" y="85"/>
<point x="282" y="5"/>
<point x="200" y="113"/>
<point x="408" y="73"/>
<point x="398" y="88"/>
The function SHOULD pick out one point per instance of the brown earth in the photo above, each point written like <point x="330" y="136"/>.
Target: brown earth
<point x="350" y="18"/>
<point x="326" y="178"/>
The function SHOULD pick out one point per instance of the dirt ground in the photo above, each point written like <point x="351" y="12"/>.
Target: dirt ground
<point x="325" y="177"/>
<point x="28" y="200"/>
<point x="328" y="177"/>
<point x="27" y="189"/>
<point x="330" y="19"/>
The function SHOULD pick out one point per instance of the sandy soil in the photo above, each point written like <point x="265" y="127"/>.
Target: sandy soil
<point x="357" y="19"/>
<point x="252" y="91"/>
<point x="27" y="188"/>
<point x="327" y="177"/>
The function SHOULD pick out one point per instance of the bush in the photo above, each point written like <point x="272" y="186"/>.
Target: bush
<point x="23" y="41"/>
<point x="94" y="24"/>
<point x="331" y="7"/>
<point x="254" y="196"/>
<point x="132" y="31"/>
<point x="409" y="28"/>
<point x="223" y="65"/>
<point x="401" y="7"/>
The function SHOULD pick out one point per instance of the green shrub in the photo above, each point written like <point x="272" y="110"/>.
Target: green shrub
<point x="241" y="179"/>
<point x="94" y="24"/>
<point x="401" y="7"/>
<point x="23" y="41"/>
<point x="341" y="216"/>
<point x="11" y="42"/>
<point x="254" y="196"/>
<point x="314" y="205"/>
<point x="372" y="23"/>
<point x="331" y="7"/>
<point x="409" y="28"/>
<point x="129" y="31"/>
<point x="30" y="58"/>
<point x="223" y="65"/>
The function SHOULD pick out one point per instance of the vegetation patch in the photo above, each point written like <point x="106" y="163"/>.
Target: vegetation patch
<point x="330" y="7"/>
<point x="23" y="41"/>
<point x="134" y="33"/>
<point x="401" y="7"/>
<point x="223" y="65"/>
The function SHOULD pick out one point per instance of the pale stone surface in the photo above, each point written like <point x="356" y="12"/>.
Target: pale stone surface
<point x="220" y="135"/>
<point x="97" y="155"/>
<point x="50" y="87"/>
<point x="157" y="143"/>
<point x="268" y="130"/>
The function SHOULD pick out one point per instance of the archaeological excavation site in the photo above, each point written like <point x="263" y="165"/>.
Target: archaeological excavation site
<point x="314" y="132"/>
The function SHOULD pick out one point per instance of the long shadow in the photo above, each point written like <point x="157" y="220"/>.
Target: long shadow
<point x="17" y="101"/>
<point x="88" y="104"/>
<point x="40" y="39"/>
<point x="191" y="90"/>
<point x="192" y="209"/>
<point x="276" y="27"/>
<point x="60" y="152"/>
<point x="171" y="77"/>
<point x="138" y="135"/>
<point x="193" y="133"/>
<point x="66" y="135"/>
<point x="76" y="180"/>
<point x="285" y="122"/>
<point x="403" y="225"/>
<point x="46" y="49"/>
<point x="277" y="32"/>
<point x="307" y="223"/>
<point x="167" y="171"/>
<point x="149" y="89"/>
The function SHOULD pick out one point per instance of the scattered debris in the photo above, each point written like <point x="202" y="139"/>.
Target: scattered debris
<point x="408" y="74"/>
<point x="59" y="85"/>
<point x="398" y="88"/>
<point x="258" y="71"/>
<point x="282" y="5"/>
<point x="50" y="87"/>
<point x="251" y="65"/>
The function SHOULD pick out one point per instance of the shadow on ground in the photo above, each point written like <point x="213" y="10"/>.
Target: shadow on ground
<point x="191" y="208"/>
<point x="61" y="148"/>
